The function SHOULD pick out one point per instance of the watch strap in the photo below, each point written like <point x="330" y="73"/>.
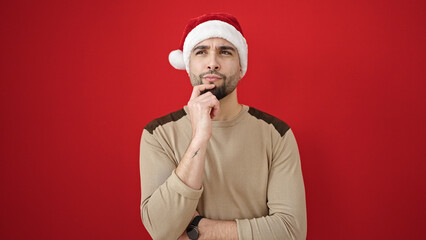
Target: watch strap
<point x="196" y="220"/>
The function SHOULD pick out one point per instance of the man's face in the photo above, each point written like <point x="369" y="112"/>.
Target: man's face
<point x="215" y="60"/>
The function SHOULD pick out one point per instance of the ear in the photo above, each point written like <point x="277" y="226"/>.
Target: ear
<point x="241" y="73"/>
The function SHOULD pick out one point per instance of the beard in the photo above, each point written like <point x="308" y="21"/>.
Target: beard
<point x="220" y="91"/>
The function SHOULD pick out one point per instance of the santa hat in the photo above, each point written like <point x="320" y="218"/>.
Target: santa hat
<point x="221" y="25"/>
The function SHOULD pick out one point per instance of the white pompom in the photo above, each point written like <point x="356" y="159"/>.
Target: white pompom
<point x="176" y="59"/>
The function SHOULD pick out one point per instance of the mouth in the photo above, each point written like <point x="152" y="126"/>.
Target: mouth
<point x="212" y="78"/>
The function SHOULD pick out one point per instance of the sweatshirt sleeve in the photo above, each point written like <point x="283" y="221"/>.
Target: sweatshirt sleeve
<point x="167" y="204"/>
<point x="286" y="198"/>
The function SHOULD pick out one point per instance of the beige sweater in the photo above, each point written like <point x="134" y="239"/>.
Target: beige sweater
<point x="252" y="175"/>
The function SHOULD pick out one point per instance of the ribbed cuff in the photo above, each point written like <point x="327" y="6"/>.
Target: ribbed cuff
<point x="180" y="187"/>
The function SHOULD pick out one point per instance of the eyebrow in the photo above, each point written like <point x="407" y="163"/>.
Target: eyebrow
<point x="227" y="48"/>
<point x="224" y="47"/>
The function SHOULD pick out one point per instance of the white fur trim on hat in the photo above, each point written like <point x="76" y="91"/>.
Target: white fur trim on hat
<point x="176" y="59"/>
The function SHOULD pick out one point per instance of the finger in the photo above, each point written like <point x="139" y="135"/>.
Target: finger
<point x="208" y="96"/>
<point x="215" y="109"/>
<point x="199" y="88"/>
<point x="208" y="101"/>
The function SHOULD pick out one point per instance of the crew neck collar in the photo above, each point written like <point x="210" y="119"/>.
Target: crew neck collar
<point x="226" y="123"/>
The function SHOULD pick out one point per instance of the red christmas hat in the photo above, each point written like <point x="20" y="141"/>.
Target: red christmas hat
<point x="221" y="25"/>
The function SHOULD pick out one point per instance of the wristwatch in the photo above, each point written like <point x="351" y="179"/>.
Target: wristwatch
<point x="192" y="229"/>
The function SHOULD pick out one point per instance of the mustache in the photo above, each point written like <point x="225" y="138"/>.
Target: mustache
<point x="213" y="72"/>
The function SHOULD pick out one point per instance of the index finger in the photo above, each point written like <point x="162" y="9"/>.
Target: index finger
<point x="198" y="89"/>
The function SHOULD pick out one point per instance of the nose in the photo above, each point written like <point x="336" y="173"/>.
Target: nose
<point x="213" y="63"/>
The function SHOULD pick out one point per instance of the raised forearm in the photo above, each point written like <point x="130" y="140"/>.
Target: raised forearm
<point x="191" y="167"/>
<point x="202" y="108"/>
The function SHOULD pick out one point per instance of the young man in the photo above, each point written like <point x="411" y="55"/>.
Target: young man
<point x="217" y="169"/>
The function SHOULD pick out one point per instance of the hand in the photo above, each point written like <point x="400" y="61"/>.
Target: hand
<point x="202" y="109"/>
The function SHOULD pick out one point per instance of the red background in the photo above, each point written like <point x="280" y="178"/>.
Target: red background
<point x="80" y="79"/>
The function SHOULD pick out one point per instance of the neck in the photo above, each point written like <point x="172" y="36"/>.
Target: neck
<point x="229" y="107"/>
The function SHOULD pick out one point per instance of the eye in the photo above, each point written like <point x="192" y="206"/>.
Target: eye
<point x="226" y="52"/>
<point x="199" y="52"/>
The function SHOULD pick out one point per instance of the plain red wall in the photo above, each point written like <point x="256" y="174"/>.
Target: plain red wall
<point x="80" y="79"/>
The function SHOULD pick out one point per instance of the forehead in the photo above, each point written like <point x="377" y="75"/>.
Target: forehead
<point x="215" y="42"/>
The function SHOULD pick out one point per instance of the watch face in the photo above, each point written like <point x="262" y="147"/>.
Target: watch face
<point x="192" y="233"/>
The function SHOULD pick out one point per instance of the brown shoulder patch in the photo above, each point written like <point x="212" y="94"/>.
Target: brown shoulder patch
<point x="172" y="117"/>
<point x="279" y="125"/>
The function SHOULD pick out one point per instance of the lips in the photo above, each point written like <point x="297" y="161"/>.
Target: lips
<point x="212" y="78"/>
